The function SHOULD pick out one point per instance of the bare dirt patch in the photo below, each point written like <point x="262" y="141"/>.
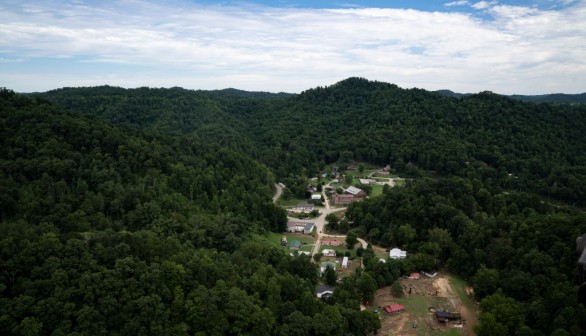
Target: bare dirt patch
<point x="421" y="297"/>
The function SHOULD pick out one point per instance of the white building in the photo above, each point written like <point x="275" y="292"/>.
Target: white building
<point x="397" y="253"/>
<point x="328" y="253"/>
<point x="345" y="262"/>
<point x="315" y="196"/>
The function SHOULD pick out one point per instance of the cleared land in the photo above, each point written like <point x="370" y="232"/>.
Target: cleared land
<point x="427" y="294"/>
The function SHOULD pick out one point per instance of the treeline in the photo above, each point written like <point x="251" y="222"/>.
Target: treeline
<point x="514" y="144"/>
<point x="516" y="250"/>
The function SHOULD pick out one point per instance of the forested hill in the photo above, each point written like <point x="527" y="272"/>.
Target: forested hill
<point x="553" y="98"/>
<point x="512" y="144"/>
<point x="129" y="212"/>
<point x="106" y="229"/>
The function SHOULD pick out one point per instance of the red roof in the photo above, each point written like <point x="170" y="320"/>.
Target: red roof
<point x="394" y="308"/>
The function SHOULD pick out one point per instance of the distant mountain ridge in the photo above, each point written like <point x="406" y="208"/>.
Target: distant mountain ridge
<point x="553" y="98"/>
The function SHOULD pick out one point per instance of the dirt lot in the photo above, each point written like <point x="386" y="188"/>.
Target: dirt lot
<point x="426" y="294"/>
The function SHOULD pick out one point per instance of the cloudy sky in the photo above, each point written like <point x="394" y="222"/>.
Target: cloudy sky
<point x="524" y="47"/>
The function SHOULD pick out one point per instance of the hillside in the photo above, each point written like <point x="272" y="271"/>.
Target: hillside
<point x="416" y="131"/>
<point x="107" y="229"/>
<point x="132" y="211"/>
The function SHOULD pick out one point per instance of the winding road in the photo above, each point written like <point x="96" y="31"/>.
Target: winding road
<point x="320" y="221"/>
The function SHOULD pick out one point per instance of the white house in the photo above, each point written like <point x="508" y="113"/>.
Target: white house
<point x="345" y="262"/>
<point x="304" y="227"/>
<point x="315" y="196"/>
<point x="397" y="253"/>
<point x="329" y="252"/>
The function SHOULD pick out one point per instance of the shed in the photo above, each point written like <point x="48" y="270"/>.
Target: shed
<point x="345" y="262"/>
<point x="394" y="308"/>
<point x="294" y="245"/>
<point x="444" y="316"/>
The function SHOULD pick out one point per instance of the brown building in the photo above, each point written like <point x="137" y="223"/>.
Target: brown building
<point x="342" y="199"/>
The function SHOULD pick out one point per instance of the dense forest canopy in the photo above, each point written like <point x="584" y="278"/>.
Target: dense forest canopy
<point x="129" y="211"/>
<point x="497" y="139"/>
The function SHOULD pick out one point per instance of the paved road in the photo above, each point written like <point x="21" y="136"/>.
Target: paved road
<point x="320" y="221"/>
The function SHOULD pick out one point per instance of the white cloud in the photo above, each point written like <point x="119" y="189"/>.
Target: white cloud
<point x="457" y="3"/>
<point x="483" y="4"/>
<point x="520" y="50"/>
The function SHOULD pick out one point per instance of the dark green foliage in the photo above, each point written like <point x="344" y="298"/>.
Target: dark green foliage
<point x="129" y="212"/>
<point x="504" y="142"/>
<point x="112" y="230"/>
<point x="515" y="249"/>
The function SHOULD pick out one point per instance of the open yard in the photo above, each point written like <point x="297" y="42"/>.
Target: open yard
<point x="427" y="295"/>
<point x="274" y="239"/>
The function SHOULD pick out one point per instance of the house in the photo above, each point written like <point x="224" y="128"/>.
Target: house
<point x="328" y="253"/>
<point x="367" y="181"/>
<point x="315" y="196"/>
<point x="443" y="316"/>
<point x="394" y="308"/>
<point x="357" y="192"/>
<point x="296" y="226"/>
<point x="324" y="265"/>
<point x="305" y="207"/>
<point x="345" y="262"/>
<point x="293" y="226"/>
<point x="324" y="291"/>
<point x="397" y="253"/>
<point x="342" y="199"/>
<point x="294" y="245"/>
<point x="414" y="276"/>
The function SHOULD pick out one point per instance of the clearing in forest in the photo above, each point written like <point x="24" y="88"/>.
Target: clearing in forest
<point x="427" y="295"/>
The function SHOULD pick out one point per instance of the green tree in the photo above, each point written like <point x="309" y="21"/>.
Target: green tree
<point x="330" y="276"/>
<point x="397" y="289"/>
<point x="366" y="286"/>
<point x="351" y="239"/>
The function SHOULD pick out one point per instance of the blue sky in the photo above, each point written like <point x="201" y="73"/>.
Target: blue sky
<point x="524" y="47"/>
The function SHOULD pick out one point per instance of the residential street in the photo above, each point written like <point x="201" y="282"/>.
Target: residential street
<point x="320" y="221"/>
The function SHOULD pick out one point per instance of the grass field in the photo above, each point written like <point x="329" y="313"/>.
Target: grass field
<point x="459" y="287"/>
<point x="377" y="190"/>
<point x="339" y="249"/>
<point x="291" y="202"/>
<point x="274" y="239"/>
